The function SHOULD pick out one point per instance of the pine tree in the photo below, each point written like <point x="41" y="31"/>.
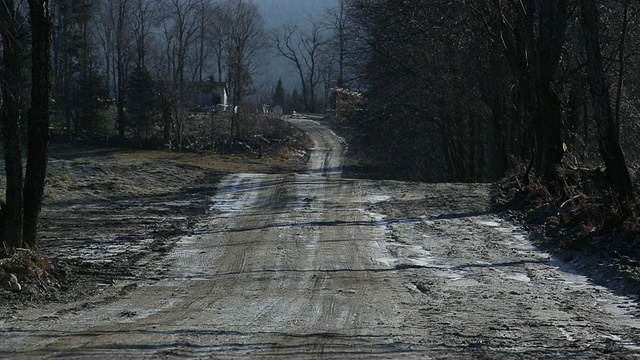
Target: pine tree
<point x="71" y="49"/>
<point x="279" y="95"/>
<point x="141" y="101"/>
<point x="89" y="101"/>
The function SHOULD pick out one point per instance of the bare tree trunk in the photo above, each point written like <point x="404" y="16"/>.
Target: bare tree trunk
<point x="496" y="147"/>
<point x="122" y="53"/>
<point x="164" y="99"/>
<point x="534" y="52"/>
<point x="622" y="67"/>
<point x="38" y="128"/>
<point x="11" y="221"/>
<point x="610" y="149"/>
<point x="67" y="84"/>
<point x="548" y="130"/>
<point x="547" y="118"/>
<point x="305" y="55"/>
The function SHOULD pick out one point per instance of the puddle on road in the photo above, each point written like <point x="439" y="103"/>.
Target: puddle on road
<point x="464" y="282"/>
<point x="517" y="277"/>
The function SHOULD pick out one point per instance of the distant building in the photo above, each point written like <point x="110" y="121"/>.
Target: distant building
<point x="347" y="101"/>
<point x="206" y="94"/>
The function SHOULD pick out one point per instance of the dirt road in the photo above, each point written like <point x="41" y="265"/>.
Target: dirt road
<point x="311" y="265"/>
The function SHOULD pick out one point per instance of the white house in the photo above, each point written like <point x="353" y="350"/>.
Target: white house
<point x="206" y="94"/>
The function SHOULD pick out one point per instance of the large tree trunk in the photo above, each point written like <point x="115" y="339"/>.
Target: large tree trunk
<point x="533" y="49"/>
<point x="498" y="162"/>
<point x="38" y="128"/>
<point x="548" y="129"/>
<point x="11" y="215"/>
<point x="610" y="149"/>
<point x="547" y="118"/>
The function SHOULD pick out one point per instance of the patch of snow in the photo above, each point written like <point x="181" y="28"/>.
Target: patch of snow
<point x="518" y="277"/>
<point x="378" y="198"/>
<point x="619" y="307"/>
<point x="489" y="223"/>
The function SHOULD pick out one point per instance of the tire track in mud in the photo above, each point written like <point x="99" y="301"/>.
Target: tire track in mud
<point x="312" y="265"/>
<point x="315" y="312"/>
<point x="279" y="269"/>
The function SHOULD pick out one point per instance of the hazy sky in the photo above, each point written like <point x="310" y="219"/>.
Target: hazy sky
<point x="277" y="13"/>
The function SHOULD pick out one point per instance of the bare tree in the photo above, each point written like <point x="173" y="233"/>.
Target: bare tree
<point x="337" y="23"/>
<point x="117" y="35"/>
<point x="622" y="61"/>
<point x="204" y="14"/>
<point x="179" y="27"/>
<point x="217" y="38"/>
<point x="38" y="126"/>
<point x="245" y="48"/>
<point x="145" y="12"/>
<point x="71" y="47"/>
<point x="19" y="219"/>
<point x="305" y="51"/>
<point x="11" y="221"/>
<point x="533" y="34"/>
<point x="609" y="140"/>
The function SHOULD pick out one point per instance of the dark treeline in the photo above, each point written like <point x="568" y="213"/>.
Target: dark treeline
<point x="470" y="90"/>
<point x="455" y="90"/>
<point x="446" y="90"/>
<point x="123" y="70"/>
<point x="134" y="73"/>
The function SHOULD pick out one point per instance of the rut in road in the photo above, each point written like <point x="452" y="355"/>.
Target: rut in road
<point x="312" y="265"/>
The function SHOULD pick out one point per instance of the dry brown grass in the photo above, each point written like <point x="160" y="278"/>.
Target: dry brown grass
<point x="24" y="262"/>
<point x="285" y="160"/>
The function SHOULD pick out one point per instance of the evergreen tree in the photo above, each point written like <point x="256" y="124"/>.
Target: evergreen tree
<point x="295" y="102"/>
<point x="141" y="101"/>
<point x="279" y="95"/>
<point x="89" y="101"/>
<point x="71" y="49"/>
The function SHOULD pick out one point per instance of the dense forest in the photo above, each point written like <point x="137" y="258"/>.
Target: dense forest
<point x="537" y="96"/>
<point x="468" y="90"/>
<point x="454" y="90"/>
<point x="448" y="90"/>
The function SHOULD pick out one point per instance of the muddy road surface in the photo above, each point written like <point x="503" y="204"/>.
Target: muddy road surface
<point x="313" y="265"/>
